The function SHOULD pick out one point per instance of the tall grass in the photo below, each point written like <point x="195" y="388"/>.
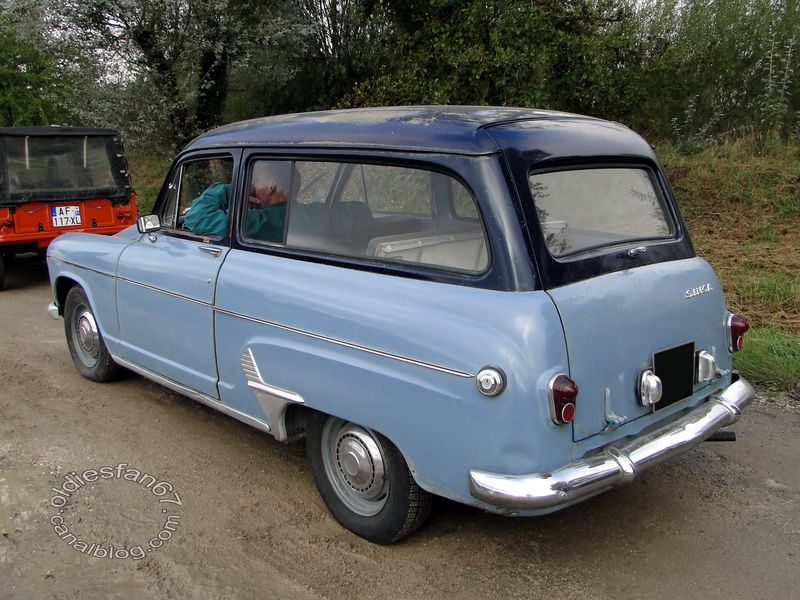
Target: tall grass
<point x="148" y="170"/>
<point x="770" y="358"/>
<point x="741" y="201"/>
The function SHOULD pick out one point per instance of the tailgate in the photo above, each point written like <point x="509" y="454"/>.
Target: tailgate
<point x="69" y="215"/>
<point x="614" y="324"/>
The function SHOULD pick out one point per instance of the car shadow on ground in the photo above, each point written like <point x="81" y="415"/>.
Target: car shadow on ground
<point x="25" y="271"/>
<point x="591" y="520"/>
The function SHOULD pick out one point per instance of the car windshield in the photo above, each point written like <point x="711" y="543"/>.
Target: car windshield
<point x="584" y="209"/>
<point x="58" y="163"/>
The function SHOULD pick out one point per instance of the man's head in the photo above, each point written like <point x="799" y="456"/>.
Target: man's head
<point x="271" y="182"/>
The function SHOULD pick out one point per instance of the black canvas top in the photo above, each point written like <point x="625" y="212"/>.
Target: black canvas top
<point x="52" y="130"/>
<point x="56" y="164"/>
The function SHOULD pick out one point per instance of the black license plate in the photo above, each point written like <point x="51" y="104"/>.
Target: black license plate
<point x="675" y="368"/>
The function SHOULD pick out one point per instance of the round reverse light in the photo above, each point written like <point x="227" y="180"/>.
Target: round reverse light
<point x="562" y="393"/>
<point x="490" y="381"/>
<point x="650" y="388"/>
<point x="568" y="412"/>
<point x="737" y="327"/>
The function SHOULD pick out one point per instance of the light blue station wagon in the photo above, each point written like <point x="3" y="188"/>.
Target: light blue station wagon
<point x="499" y="306"/>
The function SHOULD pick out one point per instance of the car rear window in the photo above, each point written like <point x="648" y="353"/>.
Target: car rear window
<point x="43" y="163"/>
<point x="580" y="210"/>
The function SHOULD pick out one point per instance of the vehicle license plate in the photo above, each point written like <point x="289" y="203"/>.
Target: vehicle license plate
<point x="675" y="368"/>
<point x="65" y="216"/>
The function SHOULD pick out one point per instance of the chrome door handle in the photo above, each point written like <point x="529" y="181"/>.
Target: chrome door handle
<point x="634" y="252"/>
<point x="213" y="250"/>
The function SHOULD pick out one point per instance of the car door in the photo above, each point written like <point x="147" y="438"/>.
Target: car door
<point x="166" y="280"/>
<point x="303" y="318"/>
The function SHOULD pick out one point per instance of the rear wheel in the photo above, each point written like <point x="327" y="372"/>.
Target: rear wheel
<point x="364" y="480"/>
<point x="86" y="345"/>
<point x="2" y="271"/>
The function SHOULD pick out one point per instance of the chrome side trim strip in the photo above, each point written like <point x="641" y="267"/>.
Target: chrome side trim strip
<point x="618" y="464"/>
<point x="163" y="291"/>
<point x="193" y="394"/>
<point x="276" y="391"/>
<point x="66" y="262"/>
<point x="324" y="338"/>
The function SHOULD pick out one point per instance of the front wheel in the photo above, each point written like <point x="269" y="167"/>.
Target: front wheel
<point x="86" y="345"/>
<point x="364" y="480"/>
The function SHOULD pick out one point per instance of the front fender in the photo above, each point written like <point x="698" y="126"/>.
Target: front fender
<point x="90" y="261"/>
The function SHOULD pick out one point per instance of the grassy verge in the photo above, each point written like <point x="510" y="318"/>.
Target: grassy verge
<point x="741" y="201"/>
<point x="770" y="358"/>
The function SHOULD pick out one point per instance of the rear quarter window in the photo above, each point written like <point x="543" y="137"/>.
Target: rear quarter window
<point x="580" y="210"/>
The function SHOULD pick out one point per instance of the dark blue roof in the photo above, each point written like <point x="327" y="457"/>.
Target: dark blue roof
<point x="452" y="129"/>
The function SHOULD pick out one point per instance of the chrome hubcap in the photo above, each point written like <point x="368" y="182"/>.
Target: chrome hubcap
<point x="87" y="333"/>
<point x="87" y="336"/>
<point x="355" y="466"/>
<point x="360" y="462"/>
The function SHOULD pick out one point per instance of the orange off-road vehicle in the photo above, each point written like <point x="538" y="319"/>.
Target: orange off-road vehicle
<point x="58" y="179"/>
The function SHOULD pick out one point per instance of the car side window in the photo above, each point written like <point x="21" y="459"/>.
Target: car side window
<point x="376" y="186"/>
<point x="203" y="195"/>
<point x="317" y="182"/>
<point x="388" y="213"/>
<point x="463" y="204"/>
<point x="270" y="186"/>
<point x="355" y="190"/>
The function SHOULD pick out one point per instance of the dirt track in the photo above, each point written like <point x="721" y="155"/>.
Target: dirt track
<point x="723" y="521"/>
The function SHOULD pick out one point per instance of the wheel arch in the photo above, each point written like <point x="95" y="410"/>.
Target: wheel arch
<point x="96" y="286"/>
<point x="61" y="288"/>
<point x="297" y="416"/>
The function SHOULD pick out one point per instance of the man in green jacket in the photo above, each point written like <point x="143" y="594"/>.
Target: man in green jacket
<point x="266" y="211"/>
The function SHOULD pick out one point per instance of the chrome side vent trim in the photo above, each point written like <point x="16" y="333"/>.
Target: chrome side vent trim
<point x="273" y="400"/>
<point x="250" y="368"/>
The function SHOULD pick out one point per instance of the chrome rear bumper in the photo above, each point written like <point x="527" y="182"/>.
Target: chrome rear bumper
<point x="615" y="465"/>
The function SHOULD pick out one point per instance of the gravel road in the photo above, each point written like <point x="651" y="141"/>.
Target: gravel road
<point x="723" y="521"/>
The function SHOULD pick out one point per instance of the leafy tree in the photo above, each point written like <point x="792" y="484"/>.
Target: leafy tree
<point x="324" y="49"/>
<point x="163" y="70"/>
<point x="540" y="53"/>
<point x="184" y="50"/>
<point x="29" y="92"/>
<point x="715" y="68"/>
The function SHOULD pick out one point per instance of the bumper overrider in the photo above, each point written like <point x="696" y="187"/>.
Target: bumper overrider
<point x="617" y="464"/>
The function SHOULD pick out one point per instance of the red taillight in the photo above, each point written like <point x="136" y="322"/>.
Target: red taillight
<point x="562" y="393"/>
<point x="737" y="326"/>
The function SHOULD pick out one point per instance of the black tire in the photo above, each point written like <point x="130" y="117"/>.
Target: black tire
<point x="380" y="508"/>
<point x="2" y="271"/>
<point x="85" y="342"/>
